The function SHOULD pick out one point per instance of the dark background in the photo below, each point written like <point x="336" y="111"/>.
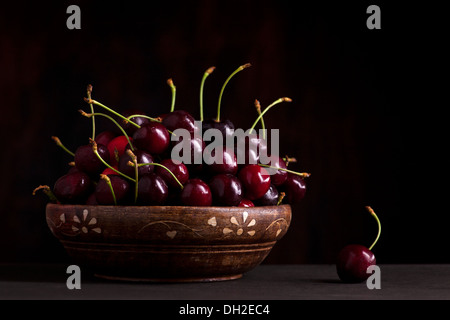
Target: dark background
<point x="366" y="118"/>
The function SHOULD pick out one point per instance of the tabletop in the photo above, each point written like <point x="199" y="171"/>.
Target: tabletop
<point x="266" y="282"/>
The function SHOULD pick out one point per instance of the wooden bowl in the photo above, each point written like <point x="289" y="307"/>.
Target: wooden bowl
<point x="168" y="243"/>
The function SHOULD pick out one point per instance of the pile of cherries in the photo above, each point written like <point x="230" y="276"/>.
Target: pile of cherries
<point x="135" y="166"/>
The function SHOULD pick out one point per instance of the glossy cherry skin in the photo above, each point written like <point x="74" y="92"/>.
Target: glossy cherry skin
<point x="226" y="127"/>
<point x="352" y="263"/>
<point x="255" y="181"/>
<point x="249" y="151"/>
<point x="109" y="171"/>
<point x="179" y="119"/>
<point x="196" y="193"/>
<point x="120" y="144"/>
<point x="141" y="157"/>
<point x="279" y="176"/>
<point x="104" y="137"/>
<point x="270" y="198"/>
<point x="129" y="128"/>
<point x="88" y="162"/>
<point x="196" y="145"/>
<point x="152" y="190"/>
<point x="103" y="193"/>
<point x="227" y="163"/>
<point x="246" y="203"/>
<point x="73" y="187"/>
<point x="226" y="190"/>
<point x="152" y="137"/>
<point x="177" y="168"/>
<point x="294" y="187"/>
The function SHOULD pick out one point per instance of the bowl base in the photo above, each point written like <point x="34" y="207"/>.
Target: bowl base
<point x="170" y="280"/>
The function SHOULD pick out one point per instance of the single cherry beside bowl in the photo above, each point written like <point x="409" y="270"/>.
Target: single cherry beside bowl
<point x="354" y="259"/>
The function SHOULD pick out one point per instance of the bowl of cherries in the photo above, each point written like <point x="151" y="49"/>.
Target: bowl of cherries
<point x="171" y="198"/>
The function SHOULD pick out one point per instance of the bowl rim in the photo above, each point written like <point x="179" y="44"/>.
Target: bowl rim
<point x="200" y="208"/>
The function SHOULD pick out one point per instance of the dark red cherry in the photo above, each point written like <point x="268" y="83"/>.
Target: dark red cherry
<point x="195" y="144"/>
<point x="152" y="190"/>
<point x="225" y="163"/>
<point x="87" y="161"/>
<point x="255" y="181"/>
<point x="294" y="187"/>
<point x="352" y="263"/>
<point x="105" y="137"/>
<point x="141" y="157"/>
<point x="72" y="187"/>
<point x="179" y="119"/>
<point x="246" y="203"/>
<point x="196" y="193"/>
<point x="103" y="193"/>
<point x="129" y="128"/>
<point x="226" y="190"/>
<point x="226" y="128"/>
<point x="270" y="198"/>
<point x="354" y="259"/>
<point x="248" y="150"/>
<point x="152" y="137"/>
<point x="279" y="176"/>
<point x="177" y="168"/>
<point x="73" y="169"/>
<point x="120" y="144"/>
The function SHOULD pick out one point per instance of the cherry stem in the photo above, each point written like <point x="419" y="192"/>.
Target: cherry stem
<point x="59" y="144"/>
<point x="225" y="84"/>
<point x="142" y="116"/>
<point x="284" y="99"/>
<point x="288" y="160"/>
<point x="48" y="192"/>
<point x="111" y="110"/>
<point x="379" y="225"/>
<point x="108" y="182"/>
<point x="301" y="174"/>
<point x="88" y="115"/>
<point x="159" y="165"/>
<point x="202" y="84"/>
<point x="263" y="125"/>
<point x="95" y="149"/>
<point x="136" y="173"/>
<point x="280" y="198"/>
<point x="150" y="118"/>
<point x="89" y="93"/>
<point x="174" y="92"/>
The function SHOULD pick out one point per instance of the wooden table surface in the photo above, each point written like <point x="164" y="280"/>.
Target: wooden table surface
<point x="266" y="282"/>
